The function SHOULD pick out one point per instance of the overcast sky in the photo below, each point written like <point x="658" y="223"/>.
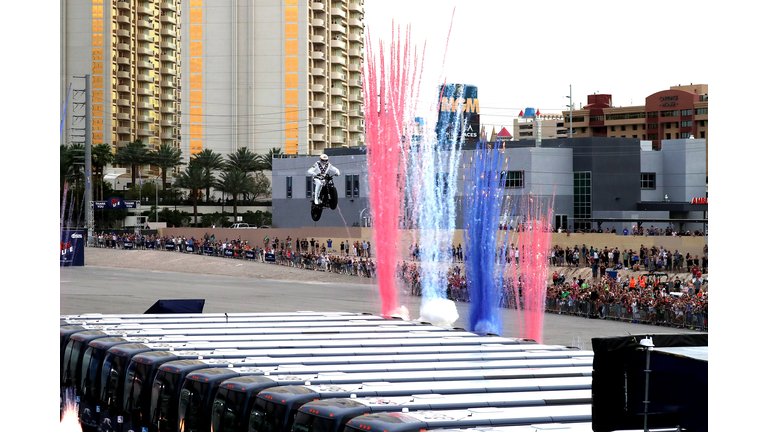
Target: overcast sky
<point x="525" y="54"/>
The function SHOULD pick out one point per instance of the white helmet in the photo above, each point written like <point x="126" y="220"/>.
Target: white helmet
<point x="324" y="157"/>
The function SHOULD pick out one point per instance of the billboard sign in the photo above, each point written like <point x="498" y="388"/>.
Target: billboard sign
<point x="458" y="120"/>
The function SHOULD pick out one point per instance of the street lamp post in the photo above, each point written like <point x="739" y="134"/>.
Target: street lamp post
<point x="570" y="105"/>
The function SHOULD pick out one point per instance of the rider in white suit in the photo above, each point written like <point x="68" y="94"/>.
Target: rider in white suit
<point x="319" y="170"/>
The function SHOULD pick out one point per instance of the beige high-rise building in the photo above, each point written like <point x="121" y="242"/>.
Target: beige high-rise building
<point x="265" y="74"/>
<point x="130" y="48"/>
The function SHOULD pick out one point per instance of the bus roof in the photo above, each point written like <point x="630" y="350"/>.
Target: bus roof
<point x="340" y="407"/>
<point x="175" y="319"/>
<point x="425" y="420"/>
<point x="371" y="389"/>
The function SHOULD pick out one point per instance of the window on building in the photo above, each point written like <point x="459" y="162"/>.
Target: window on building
<point x="634" y="136"/>
<point x="701" y="123"/>
<point x="702" y="111"/>
<point x="613" y="128"/>
<point x="356" y="185"/>
<point x="560" y="125"/>
<point x="687" y="123"/>
<point x="647" y="180"/>
<point x="634" y="127"/>
<point x="526" y="126"/>
<point x="685" y="135"/>
<point x="643" y="136"/>
<point x="583" y="130"/>
<point x="514" y="180"/>
<point x="348" y="186"/>
<point x="653" y="125"/>
<point x="310" y="186"/>
<point x="653" y="136"/>
<point x="652" y="114"/>
<point x="701" y="134"/>
<point x="686" y="112"/>
<point x="526" y="134"/>
<point x="623" y="128"/>
<point x="669" y="136"/>
<point x="289" y="187"/>
<point x="582" y="198"/>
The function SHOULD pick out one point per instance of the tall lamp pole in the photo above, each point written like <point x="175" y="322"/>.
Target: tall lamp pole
<point x="570" y="105"/>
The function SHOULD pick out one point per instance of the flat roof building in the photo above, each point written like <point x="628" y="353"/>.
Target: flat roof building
<point x="594" y="180"/>
<point x="678" y="113"/>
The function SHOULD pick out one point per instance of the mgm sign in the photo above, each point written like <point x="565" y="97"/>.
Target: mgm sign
<point x="459" y="117"/>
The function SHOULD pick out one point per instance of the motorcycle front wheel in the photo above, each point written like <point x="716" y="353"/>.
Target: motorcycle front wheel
<point x="316" y="211"/>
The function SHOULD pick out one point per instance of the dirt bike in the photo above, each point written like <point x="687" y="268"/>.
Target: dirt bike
<point x="329" y="198"/>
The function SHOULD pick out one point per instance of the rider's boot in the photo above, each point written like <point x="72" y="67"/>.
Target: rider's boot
<point x="318" y="187"/>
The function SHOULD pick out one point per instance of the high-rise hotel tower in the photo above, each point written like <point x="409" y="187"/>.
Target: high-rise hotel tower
<point x="266" y="74"/>
<point x="131" y="50"/>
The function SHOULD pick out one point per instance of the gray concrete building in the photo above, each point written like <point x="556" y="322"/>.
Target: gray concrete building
<point x="595" y="181"/>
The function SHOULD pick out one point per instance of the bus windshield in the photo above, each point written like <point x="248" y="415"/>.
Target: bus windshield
<point x="69" y="366"/>
<point x="133" y="391"/>
<point x="192" y="405"/>
<point x="163" y="404"/>
<point x="111" y="371"/>
<point x="89" y="371"/>
<point x="266" y="417"/>
<point x="227" y="411"/>
<point x="309" y="423"/>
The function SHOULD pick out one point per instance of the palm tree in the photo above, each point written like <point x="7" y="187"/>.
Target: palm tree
<point x="265" y="160"/>
<point x="66" y="169"/>
<point x="73" y="166"/>
<point x="194" y="179"/>
<point x="235" y="182"/>
<point x="101" y="155"/>
<point x="134" y="154"/>
<point x="210" y="161"/>
<point x="166" y="156"/>
<point x="242" y="160"/>
<point x="261" y="186"/>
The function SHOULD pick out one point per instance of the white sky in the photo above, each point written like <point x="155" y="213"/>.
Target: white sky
<point x="525" y="54"/>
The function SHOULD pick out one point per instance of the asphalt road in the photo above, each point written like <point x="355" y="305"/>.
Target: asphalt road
<point x="109" y="290"/>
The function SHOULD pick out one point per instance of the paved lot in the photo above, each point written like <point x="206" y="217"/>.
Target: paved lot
<point x="113" y="290"/>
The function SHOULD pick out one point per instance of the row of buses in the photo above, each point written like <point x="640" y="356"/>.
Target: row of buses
<point x="314" y="372"/>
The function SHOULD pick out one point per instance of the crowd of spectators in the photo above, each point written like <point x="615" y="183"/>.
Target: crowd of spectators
<point x="635" y="231"/>
<point x="644" y="259"/>
<point x="651" y="299"/>
<point x="352" y="259"/>
<point x="452" y="254"/>
<point x="647" y="299"/>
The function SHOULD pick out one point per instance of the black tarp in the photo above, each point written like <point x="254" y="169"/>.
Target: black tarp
<point x="177" y="306"/>
<point x="677" y="390"/>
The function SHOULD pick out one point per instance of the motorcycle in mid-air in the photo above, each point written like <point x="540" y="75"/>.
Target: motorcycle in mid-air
<point x="329" y="198"/>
